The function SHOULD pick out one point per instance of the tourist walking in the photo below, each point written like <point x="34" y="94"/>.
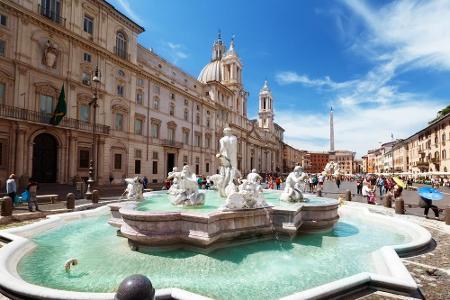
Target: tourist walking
<point x="338" y="182"/>
<point x="380" y="184"/>
<point x="11" y="187"/>
<point x="427" y="204"/>
<point x="278" y="182"/>
<point x="359" y="186"/>
<point x="32" y="189"/>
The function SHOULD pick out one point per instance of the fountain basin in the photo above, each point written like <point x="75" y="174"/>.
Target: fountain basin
<point x="206" y="232"/>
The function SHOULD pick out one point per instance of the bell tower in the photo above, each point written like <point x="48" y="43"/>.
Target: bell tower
<point x="218" y="48"/>
<point x="232" y="66"/>
<point x="266" y="114"/>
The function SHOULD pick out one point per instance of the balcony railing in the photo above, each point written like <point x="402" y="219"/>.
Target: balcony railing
<point x="171" y="143"/>
<point x="122" y="53"/>
<point x="17" y="113"/>
<point x="53" y="15"/>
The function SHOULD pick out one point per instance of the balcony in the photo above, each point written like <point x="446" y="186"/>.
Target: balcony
<point x="53" y="15"/>
<point x="422" y="164"/>
<point x="171" y="144"/>
<point x="17" y="113"/>
<point x="435" y="160"/>
<point x="122" y="53"/>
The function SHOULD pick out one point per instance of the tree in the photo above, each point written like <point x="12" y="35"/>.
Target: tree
<point x="443" y="112"/>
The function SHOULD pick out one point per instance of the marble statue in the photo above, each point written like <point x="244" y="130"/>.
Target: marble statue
<point x="50" y="55"/>
<point x="228" y="163"/>
<point x="332" y="169"/>
<point x="134" y="189"/>
<point x="292" y="190"/>
<point x="184" y="190"/>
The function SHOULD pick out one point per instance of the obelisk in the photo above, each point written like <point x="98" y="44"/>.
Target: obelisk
<point x="331" y="132"/>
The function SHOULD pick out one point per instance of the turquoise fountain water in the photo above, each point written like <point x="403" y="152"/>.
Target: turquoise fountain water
<point x="160" y="202"/>
<point x="261" y="270"/>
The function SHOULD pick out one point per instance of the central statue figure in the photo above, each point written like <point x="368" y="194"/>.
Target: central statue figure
<point x="228" y="160"/>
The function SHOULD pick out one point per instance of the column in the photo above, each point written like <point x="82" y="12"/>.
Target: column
<point x="72" y="156"/>
<point x="100" y="162"/>
<point x="20" y="152"/>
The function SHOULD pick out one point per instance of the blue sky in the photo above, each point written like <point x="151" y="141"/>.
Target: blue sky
<point x="384" y="66"/>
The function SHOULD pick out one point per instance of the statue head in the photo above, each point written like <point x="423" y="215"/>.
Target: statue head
<point x="175" y="169"/>
<point x="298" y="170"/>
<point x="253" y="170"/>
<point x="186" y="169"/>
<point x="227" y="131"/>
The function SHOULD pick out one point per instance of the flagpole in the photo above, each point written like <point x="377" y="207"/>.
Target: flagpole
<point x="92" y="162"/>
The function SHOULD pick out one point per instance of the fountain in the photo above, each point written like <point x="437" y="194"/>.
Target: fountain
<point x="242" y="216"/>
<point x="134" y="189"/>
<point x="332" y="169"/>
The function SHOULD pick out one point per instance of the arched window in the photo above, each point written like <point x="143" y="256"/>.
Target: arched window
<point x="444" y="154"/>
<point x="443" y="139"/>
<point x="121" y="45"/>
<point x="156" y="103"/>
<point x="436" y="155"/>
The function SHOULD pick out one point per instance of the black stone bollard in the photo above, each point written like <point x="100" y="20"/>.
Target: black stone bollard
<point x="135" y="287"/>
<point x="70" y="201"/>
<point x="447" y="215"/>
<point x="6" y="207"/>
<point x="388" y="200"/>
<point x="95" y="196"/>
<point x="399" y="206"/>
<point x="348" y="195"/>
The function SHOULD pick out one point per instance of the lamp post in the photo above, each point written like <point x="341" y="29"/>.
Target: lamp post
<point x="96" y="82"/>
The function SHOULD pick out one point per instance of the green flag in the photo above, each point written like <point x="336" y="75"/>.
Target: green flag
<point x="61" y="108"/>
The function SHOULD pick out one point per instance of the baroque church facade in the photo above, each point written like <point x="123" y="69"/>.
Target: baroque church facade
<point x="151" y="115"/>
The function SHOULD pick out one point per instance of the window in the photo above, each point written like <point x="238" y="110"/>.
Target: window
<point x="121" y="45"/>
<point x="208" y="122"/>
<point x="52" y="10"/>
<point x="172" y="96"/>
<point x="83" y="159"/>
<point x="118" y="161"/>
<point x="2" y="93"/>
<point x="86" y="78"/>
<point x="156" y="103"/>
<point x="120" y="90"/>
<point x="197" y="140"/>
<point x="155" y="167"/>
<point x="207" y="142"/>
<point x="83" y="112"/>
<point x="118" y="124"/>
<point x="139" y="98"/>
<point x="155" y="155"/>
<point x="156" y="89"/>
<point x="186" y="114"/>
<point x="137" y="153"/>
<point x="186" y="102"/>
<point x="87" y="57"/>
<point x="186" y="137"/>
<point x="121" y="73"/>
<point x="137" y="166"/>
<point x="444" y="155"/>
<point x="2" y="158"/>
<point x="207" y="168"/>
<point x="138" y="124"/>
<point x="172" y="109"/>
<point x="155" y="130"/>
<point x="197" y="119"/>
<point x="140" y="82"/>
<point x="88" y="24"/>
<point x="3" y="20"/>
<point x="171" y="134"/>
<point x="46" y="104"/>
<point x="185" y="160"/>
<point x="2" y="47"/>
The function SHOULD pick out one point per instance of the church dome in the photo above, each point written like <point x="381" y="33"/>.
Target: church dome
<point x="211" y="72"/>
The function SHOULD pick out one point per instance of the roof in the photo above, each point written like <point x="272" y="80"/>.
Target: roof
<point x="139" y="27"/>
<point x="211" y="72"/>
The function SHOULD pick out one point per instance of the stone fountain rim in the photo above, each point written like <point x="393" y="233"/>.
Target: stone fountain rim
<point x="395" y="276"/>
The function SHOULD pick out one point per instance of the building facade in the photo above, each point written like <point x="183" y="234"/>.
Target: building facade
<point x="317" y="161"/>
<point x="345" y="159"/>
<point x="424" y="151"/>
<point x="151" y="116"/>
<point x="293" y="157"/>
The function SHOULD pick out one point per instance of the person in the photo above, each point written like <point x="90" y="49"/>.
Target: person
<point x="32" y="189"/>
<point x="380" y="184"/>
<point x="111" y="178"/>
<point x="278" y="182"/>
<point x="427" y="204"/>
<point x="359" y="186"/>
<point x="321" y="180"/>
<point x="338" y="182"/>
<point x="11" y="187"/>
<point x="315" y="182"/>
<point x="310" y="182"/>
<point x="145" y="182"/>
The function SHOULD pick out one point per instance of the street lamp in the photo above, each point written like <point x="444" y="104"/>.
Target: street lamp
<point x="96" y="83"/>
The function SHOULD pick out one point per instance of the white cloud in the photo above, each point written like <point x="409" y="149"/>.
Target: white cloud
<point x="288" y="77"/>
<point x="125" y="4"/>
<point x="175" y="51"/>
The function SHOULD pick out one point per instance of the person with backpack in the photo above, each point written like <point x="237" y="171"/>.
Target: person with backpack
<point x="278" y="182"/>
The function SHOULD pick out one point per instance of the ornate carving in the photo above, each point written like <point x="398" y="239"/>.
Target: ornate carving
<point x="46" y="89"/>
<point x="50" y="55"/>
